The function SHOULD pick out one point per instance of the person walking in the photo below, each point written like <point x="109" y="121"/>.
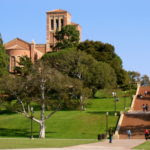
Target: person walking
<point x="129" y="133"/>
<point x="146" y="107"/>
<point x="143" y="107"/>
<point x="145" y="93"/>
<point x="110" y="135"/>
<point x="146" y="132"/>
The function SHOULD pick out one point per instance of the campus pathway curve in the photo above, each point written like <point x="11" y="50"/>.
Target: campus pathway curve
<point x="122" y="144"/>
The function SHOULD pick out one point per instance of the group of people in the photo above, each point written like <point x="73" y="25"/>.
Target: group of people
<point x="145" y="107"/>
<point x="146" y="133"/>
<point x="129" y="133"/>
<point x="143" y="95"/>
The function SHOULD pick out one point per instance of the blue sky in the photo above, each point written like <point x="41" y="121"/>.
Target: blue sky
<point x="122" y="23"/>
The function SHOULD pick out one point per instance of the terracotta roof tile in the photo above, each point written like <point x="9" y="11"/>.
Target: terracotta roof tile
<point x="58" y="11"/>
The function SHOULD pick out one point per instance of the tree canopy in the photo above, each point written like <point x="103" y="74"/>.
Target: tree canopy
<point x="77" y="64"/>
<point x="40" y="87"/>
<point x="68" y="37"/>
<point x="105" y="52"/>
<point x="4" y="59"/>
<point x="25" y="66"/>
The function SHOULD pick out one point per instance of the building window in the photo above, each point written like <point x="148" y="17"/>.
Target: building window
<point x="57" y="24"/>
<point x="62" y="22"/>
<point x="52" y="24"/>
<point x="35" y="57"/>
<point x="13" y="63"/>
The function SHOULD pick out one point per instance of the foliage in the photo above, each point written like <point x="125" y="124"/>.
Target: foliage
<point x="25" y="66"/>
<point x="145" y="80"/>
<point x="134" y="76"/>
<point x="106" y="53"/>
<point x="77" y="64"/>
<point x="68" y="124"/>
<point x="4" y="59"/>
<point x="123" y="78"/>
<point x="44" y="91"/>
<point x="68" y="37"/>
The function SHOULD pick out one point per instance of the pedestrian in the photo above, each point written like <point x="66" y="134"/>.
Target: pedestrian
<point x="110" y="135"/>
<point x="129" y="133"/>
<point x="141" y="96"/>
<point x="145" y="93"/>
<point x="146" y="132"/>
<point x="146" y="107"/>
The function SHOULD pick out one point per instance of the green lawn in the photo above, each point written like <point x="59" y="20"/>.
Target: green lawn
<point x="144" y="146"/>
<point x="68" y="124"/>
<point x="64" y="124"/>
<point x="40" y="143"/>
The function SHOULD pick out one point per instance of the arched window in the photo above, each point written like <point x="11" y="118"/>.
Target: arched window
<point x="35" y="57"/>
<point x="57" y="24"/>
<point x="13" y="63"/>
<point x="52" y="24"/>
<point x="62" y="22"/>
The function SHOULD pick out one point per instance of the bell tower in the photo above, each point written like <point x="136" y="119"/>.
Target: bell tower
<point x="56" y="19"/>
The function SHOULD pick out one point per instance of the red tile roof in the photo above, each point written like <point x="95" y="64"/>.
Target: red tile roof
<point x="58" y="11"/>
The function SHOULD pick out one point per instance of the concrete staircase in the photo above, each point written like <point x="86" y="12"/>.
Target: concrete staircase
<point x="136" y="120"/>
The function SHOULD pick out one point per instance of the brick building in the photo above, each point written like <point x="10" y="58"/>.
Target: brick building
<point x="55" y="20"/>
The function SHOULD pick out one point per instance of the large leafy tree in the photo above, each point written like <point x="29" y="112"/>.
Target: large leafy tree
<point x="77" y="64"/>
<point x="4" y="59"/>
<point x="46" y="87"/>
<point x="106" y="53"/>
<point x="68" y="37"/>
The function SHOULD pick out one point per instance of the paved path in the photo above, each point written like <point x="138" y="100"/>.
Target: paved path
<point x="123" y="144"/>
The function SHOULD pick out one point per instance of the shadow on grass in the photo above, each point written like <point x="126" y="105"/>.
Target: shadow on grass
<point x="14" y="132"/>
<point x="102" y="98"/>
<point x="4" y="132"/>
<point x="7" y="112"/>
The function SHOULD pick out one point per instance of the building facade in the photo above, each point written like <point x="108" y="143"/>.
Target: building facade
<point x="16" y="48"/>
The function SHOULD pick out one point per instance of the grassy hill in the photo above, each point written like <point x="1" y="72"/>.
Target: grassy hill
<point x="69" y="124"/>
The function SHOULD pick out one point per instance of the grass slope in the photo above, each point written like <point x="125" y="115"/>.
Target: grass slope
<point x="67" y="124"/>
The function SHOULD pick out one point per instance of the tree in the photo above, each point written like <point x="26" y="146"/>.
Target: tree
<point x="68" y="37"/>
<point x="50" y="89"/>
<point x="145" y="80"/>
<point x="4" y="59"/>
<point x="134" y="76"/>
<point x="123" y="78"/>
<point x="25" y="66"/>
<point x="77" y="64"/>
<point x="105" y="52"/>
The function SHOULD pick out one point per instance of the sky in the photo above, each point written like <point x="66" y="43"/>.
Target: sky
<point x="122" y="23"/>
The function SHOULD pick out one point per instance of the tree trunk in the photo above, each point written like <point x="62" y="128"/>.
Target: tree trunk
<point x="42" y="130"/>
<point x="81" y="103"/>
<point x="42" y="124"/>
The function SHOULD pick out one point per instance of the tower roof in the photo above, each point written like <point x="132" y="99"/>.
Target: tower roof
<point x="58" y="11"/>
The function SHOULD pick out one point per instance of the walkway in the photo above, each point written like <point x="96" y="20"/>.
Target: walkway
<point x="123" y="144"/>
<point x="137" y="120"/>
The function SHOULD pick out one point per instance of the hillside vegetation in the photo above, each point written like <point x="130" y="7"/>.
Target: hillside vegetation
<point x="69" y="124"/>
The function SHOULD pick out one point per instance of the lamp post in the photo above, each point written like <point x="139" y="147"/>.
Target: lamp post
<point x="114" y="96"/>
<point x="32" y="122"/>
<point x="107" y="113"/>
<point x="125" y="100"/>
<point x="116" y="100"/>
